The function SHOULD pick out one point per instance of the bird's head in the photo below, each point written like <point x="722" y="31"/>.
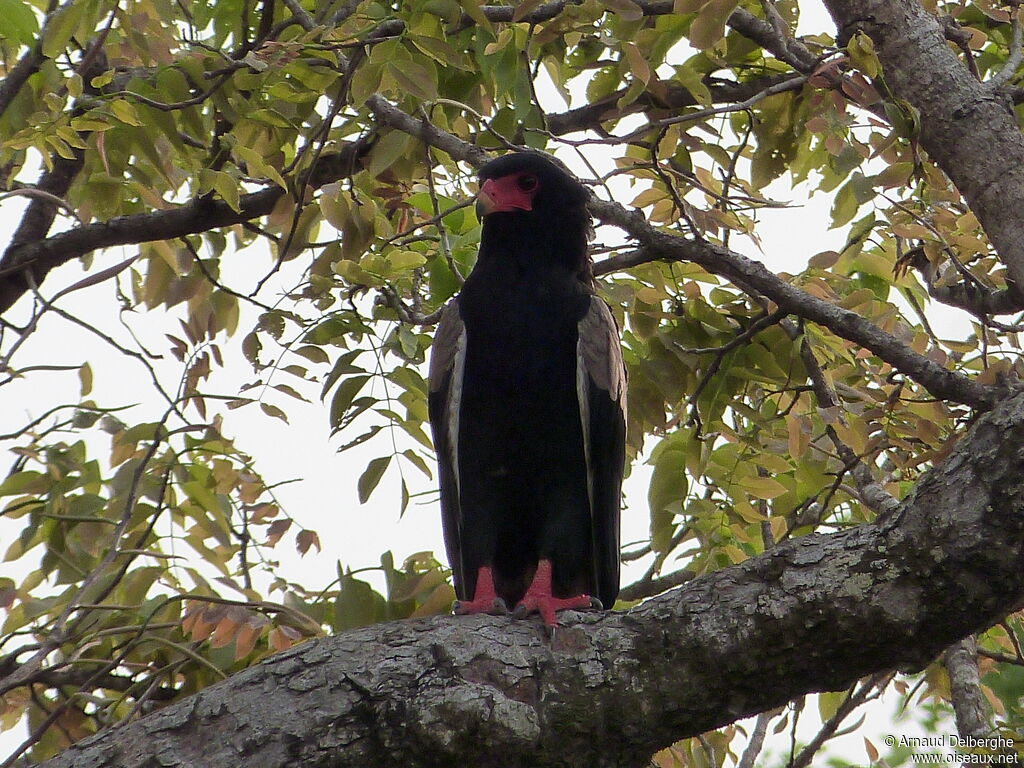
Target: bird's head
<point x="531" y="205"/>
<point x="528" y="182"/>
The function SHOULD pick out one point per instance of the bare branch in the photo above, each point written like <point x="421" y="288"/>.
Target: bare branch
<point x="756" y="741"/>
<point x="1013" y="61"/>
<point x="969" y="705"/>
<point x="857" y="697"/>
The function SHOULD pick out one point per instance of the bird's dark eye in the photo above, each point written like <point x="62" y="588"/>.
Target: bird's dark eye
<point x="527" y="183"/>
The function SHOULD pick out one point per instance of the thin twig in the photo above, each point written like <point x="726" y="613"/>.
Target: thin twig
<point x="1016" y="54"/>
<point x="756" y="741"/>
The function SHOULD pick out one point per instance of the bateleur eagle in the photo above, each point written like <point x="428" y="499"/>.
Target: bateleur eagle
<point x="527" y="405"/>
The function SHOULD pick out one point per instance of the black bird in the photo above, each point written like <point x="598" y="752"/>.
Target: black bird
<point x="527" y="405"/>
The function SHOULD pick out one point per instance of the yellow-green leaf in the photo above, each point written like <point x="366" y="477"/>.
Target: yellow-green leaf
<point x="125" y="112"/>
<point x="709" y="26"/>
<point x="85" y="377"/>
<point x="371" y="477"/>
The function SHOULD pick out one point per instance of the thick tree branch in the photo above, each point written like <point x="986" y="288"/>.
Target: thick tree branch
<point x="35" y="223"/>
<point x="816" y="613"/>
<point x="968" y="128"/>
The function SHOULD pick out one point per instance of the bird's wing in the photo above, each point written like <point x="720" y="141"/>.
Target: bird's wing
<point x="601" y="388"/>
<point x="447" y="361"/>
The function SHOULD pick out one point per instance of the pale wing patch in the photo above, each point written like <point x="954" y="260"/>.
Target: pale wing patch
<point x="455" y="405"/>
<point x="600" y="352"/>
<point x="598" y="358"/>
<point x="583" y="397"/>
<point x="448" y="355"/>
<point x="446" y="344"/>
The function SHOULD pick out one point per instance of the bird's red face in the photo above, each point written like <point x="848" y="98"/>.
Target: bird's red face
<point x="514" y="192"/>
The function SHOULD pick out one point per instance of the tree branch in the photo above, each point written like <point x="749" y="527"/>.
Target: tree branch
<point x="590" y="116"/>
<point x="719" y="260"/>
<point x="198" y="215"/>
<point x="815" y="613"/>
<point x="967" y="295"/>
<point x="969" y="703"/>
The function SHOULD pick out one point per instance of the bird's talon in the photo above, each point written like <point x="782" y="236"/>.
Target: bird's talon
<point x="498" y="607"/>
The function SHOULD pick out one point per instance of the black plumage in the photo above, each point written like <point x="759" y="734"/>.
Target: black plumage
<point x="527" y="404"/>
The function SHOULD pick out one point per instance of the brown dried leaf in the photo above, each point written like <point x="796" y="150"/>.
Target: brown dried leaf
<point x="306" y="539"/>
<point x="227" y="629"/>
<point x="248" y="634"/>
<point x="277" y="529"/>
<point x="279" y="640"/>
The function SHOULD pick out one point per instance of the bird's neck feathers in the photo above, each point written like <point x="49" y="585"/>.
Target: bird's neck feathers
<point x="524" y="242"/>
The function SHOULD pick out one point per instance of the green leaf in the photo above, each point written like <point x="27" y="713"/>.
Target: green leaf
<point x="274" y="411"/>
<point x="60" y="27"/>
<point x="844" y="206"/>
<point x="385" y="152"/>
<point x="257" y="166"/>
<point x="223" y="184"/>
<point x="414" y="78"/>
<point x="125" y="112"/>
<point x="627" y="9"/>
<point x="440" y="51"/>
<point x="405" y="260"/>
<point x="27" y="481"/>
<point x="18" y="22"/>
<point x="637" y="63"/>
<point x="343" y="398"/>
<point x="474" y="10"/>
<point x="357" y="604"/>
<point x="668" y="487"/>
<point x="371" y="477"/>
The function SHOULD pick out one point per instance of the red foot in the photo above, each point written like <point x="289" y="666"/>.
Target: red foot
<point x="538" y="598"/>
<point x="485" y="599"/>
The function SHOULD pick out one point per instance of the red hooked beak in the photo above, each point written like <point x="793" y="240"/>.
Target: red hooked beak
<point x="503" y="195"/>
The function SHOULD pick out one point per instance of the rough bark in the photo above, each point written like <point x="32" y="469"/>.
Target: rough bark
<point x="813" y="614"/>
<point x="968" y="127"/>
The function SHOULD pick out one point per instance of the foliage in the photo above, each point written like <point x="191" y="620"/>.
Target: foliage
<point x="340" y="138"/>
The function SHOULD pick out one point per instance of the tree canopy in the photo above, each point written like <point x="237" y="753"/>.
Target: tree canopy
<point x="261" y="204"/>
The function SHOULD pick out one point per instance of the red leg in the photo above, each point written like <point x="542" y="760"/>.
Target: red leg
<point x="538" y="597"/>
<point x="485" y="599"/>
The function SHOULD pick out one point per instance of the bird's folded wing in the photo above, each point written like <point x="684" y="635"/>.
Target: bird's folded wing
<point x="601" y="388"/>
<point x="447" y="361"/>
